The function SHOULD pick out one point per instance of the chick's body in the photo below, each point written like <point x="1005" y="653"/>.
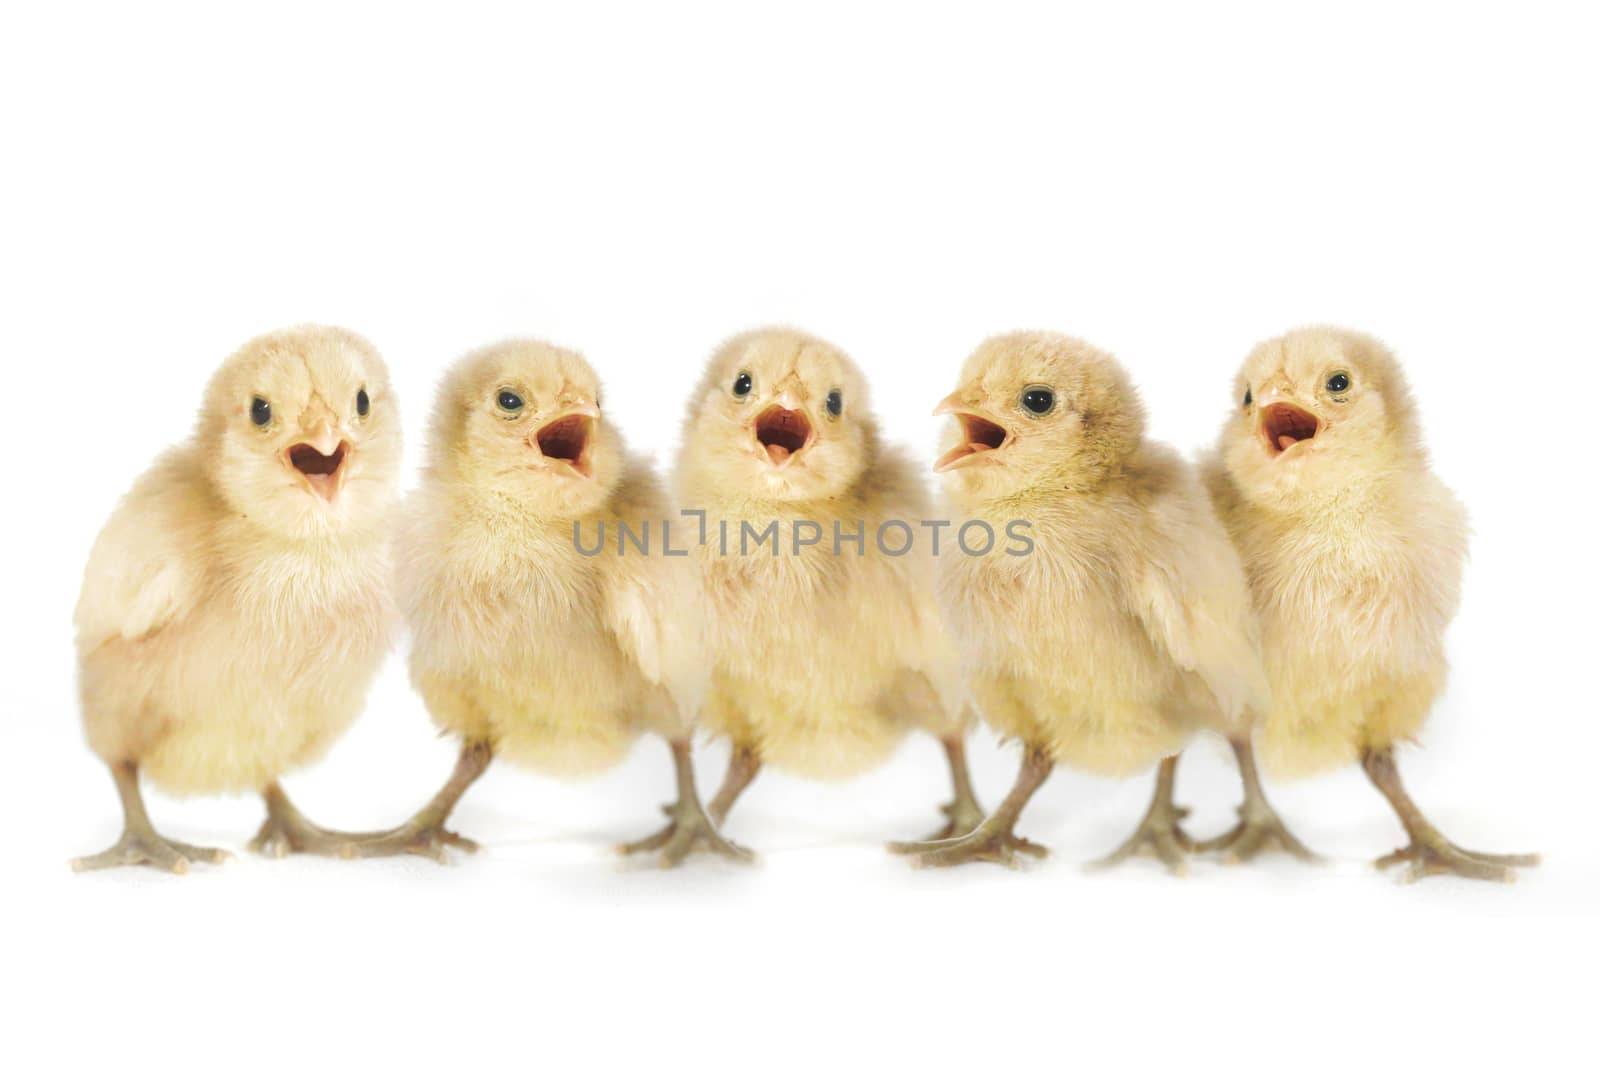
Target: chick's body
<point x="1126" y="623"/>
<point x="238" y="657"/>
<point x="1354" y="601"/>
<point x="823" y="662"/>
<point x="829" y="649"/>
<point x="511" y="643"/>
<point x="1354" y="551"/>
<point x="236" y="606"/>
<point x="541" y="631"/>
<point x="1060" y="640"/>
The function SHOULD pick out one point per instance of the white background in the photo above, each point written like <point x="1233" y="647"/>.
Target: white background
<point x="1172" y="184"/>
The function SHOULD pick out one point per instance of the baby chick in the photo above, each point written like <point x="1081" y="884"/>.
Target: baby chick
<point x="236" y="605"/>
<point x="538" y="633"/>
<point x="1354" y="551"/>
<point x="826" y="640"/>
<point x="1123" y="624"/>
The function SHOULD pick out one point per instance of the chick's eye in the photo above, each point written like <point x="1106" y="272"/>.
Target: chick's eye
<point x="1247" y="396"/>
<point x="835" y="403"/>
<point x="260" y="411"/>
<point x="1038" y="399"/>
<point x="363" y="403"/>
<point x="742" y="384"/>
<point x="509" y="401"/>
<point x="1338" y="383"/>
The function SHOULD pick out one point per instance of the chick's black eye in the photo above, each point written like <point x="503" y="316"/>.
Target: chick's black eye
<point x="1038" y="399"/>
<point x="742" y="384"/>
<point x="260" y="411"/>
<point x="509" y="401"/>
<point x="1247" y="397"/>
<point x="835" y="403"/>
<point x="1338" y="383"/>
<point x="363" y="403"/>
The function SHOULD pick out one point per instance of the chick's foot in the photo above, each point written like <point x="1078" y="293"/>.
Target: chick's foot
<point x="989" y="843"/>
<point x="286" y="830"/>
<point x="140" y="845"/>
<point x="689" y="828"/>
<point x="995" y="840"/>
<point x="1260" y="829"/>
<point x="414" y="838"/>
<point x="1429" y="851"/>
<point x="1437" y="855"/>
<point x="1160" y="834"/>
<point x="149" y="849"/>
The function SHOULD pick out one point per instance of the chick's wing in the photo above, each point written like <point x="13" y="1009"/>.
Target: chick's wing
<point x="1190" y="592"/>
<point x="140" y="576"/>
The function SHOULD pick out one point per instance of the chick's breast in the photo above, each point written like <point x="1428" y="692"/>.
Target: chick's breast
<point x="1354" y="604"/>
<point x="258" y="662"/>
<point x="509" y="643"/>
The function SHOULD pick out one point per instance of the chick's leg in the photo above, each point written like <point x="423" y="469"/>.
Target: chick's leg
<point x="964" y="811"/>
<point x="1161" y="832"/>
<point x="1429" y="851"/>
<point x="743" y="766"/>
<point x="140" y="844"/>
<point x="1260" y="829"/>
<point x="287" y="830"/>
<point x="689" y="828"/>
<point x="995" y="840"/>
<point x="424" y="833"/>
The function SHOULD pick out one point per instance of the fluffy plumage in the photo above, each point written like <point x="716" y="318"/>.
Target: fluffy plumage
<point x="822" y="661"/>
<point x="1354" y="550"/>
<point x="1129" y="625"/>
<point x="549" y="656"/>
<point x="235" y="608"/>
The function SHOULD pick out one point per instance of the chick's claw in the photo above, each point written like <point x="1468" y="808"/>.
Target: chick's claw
<point x="150" y="850"/>
<point x="996" y="844"/>
<point x="688" y="831"/>
<point x="430" y="840"/>
<point x="1159" y="835"/>
<point x="1255" y="834"/>
<point x="1425" y="858"/>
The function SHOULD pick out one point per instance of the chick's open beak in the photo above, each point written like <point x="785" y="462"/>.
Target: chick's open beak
<point x="979" y="434"/>
<point x="1285" y="424"/>
<point x="566" y="438"/>
<point x="782" y="430"/>
<point x="320" y="457"/>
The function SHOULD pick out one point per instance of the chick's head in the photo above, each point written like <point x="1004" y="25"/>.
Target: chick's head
<point x="299" y="431"/>
<point x="521" y="420"/>
<point x="1318" y="410"/>
<point x="1038" y="410"/>
<point x="779" y="415"/>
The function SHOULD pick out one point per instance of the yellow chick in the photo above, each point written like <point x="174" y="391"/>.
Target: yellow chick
<point x="539" y="633"/>
<point x="1354" y="551"/>
<point x="826" y="641"/>
<point x="236" y="606"/>
<point x="1116" y="620"/>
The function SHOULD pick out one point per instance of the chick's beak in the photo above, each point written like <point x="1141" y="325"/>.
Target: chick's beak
<point x="319" y="457"/>
<point x="980" y="435"/>
<point x="1283" y="422"/>
<point x="782" y="430"/>
<point x="566" y="439"/>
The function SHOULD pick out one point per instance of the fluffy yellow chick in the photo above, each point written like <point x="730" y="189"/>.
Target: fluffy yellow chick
<point x="1123" y="623"/>
<point x="532" y="639"/>
<point x="237" y="603"/>
<point x="1354" y="551"/>
<point x="827" y="650"/>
